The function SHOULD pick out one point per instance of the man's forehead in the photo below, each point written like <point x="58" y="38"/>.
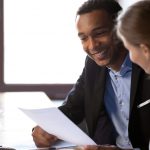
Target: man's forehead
<point x="96" y="19"/>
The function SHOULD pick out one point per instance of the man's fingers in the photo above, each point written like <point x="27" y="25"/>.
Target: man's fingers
<point x="42" y="138"/>
<point x="41" y="142"/>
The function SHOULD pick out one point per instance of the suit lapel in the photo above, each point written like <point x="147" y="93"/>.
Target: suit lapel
<point x="97" y="100"/>
<point x="134" y="83"/>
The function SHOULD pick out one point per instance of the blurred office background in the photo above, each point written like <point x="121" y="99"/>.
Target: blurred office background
<point x="39" y="46"/>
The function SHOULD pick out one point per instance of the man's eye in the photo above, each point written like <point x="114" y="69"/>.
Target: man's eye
<point x="83" y="38"/>
<point x="101" y="33"/>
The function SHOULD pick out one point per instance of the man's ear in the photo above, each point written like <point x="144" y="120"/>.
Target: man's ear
<point x="145" y="50"/>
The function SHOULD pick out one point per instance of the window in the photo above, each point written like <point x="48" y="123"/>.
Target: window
<point x="40" y="46"/>
<point x="41" y="43"/>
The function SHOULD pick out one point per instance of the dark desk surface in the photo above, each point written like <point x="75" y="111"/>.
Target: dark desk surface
<point x="16" y="127"/>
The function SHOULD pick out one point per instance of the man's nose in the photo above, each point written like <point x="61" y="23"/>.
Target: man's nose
<point x="92" y="43"/>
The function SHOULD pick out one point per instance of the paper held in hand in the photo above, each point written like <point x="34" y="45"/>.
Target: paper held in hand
<point x="53" y="121"/>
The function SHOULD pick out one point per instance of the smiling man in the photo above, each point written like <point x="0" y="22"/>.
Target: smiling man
<point x="95" y="30"/>
<point x="108" y="91"/>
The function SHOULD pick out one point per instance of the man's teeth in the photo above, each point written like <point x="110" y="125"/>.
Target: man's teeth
<point x="98" y="52"/>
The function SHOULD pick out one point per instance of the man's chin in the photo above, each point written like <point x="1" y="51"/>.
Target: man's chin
<point x="102" y="63"/>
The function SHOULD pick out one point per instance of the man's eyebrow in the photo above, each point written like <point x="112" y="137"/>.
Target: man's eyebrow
<point x="100" y="28"/>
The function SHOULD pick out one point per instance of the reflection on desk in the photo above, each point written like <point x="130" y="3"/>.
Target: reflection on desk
<point x="16" y="127"/>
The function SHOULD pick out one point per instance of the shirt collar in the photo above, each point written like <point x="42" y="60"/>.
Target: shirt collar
<point x="125" y="67"/>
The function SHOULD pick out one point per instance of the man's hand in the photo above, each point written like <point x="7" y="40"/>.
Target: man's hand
<point x="41" y="138"/>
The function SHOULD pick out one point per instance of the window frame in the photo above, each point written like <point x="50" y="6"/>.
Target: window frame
<point x="54" y="91"/>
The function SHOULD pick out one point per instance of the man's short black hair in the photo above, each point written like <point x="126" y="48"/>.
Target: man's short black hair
<point x="110" y="6"/>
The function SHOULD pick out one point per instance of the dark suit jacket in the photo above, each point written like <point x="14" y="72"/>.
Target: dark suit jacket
<point x="85" y="101"/>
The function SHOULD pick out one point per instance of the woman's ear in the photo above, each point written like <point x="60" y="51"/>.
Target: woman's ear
<point x="145" y="50"/>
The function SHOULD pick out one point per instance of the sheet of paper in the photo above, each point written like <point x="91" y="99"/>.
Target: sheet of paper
<point x="55" y="122"/>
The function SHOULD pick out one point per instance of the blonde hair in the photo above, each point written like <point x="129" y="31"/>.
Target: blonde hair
<point x="134" y="23"/>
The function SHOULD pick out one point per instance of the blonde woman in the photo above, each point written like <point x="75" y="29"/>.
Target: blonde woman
<point x="133" y="28"/>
